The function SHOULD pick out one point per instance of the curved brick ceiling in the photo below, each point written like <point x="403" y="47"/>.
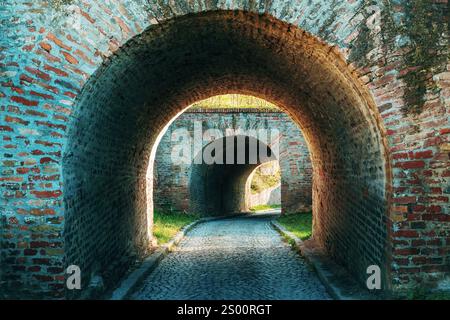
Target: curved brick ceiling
<point x="170" y="66"/>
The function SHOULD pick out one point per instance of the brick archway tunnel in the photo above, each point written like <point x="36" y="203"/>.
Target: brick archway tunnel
<point x="84" y="106"/>
<point x="220" y="189"/>
<point x="173" y="179"/>
<point x="122" y="110"/>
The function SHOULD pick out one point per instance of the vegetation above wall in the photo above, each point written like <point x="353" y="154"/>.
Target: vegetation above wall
<point x="234" y="101"/>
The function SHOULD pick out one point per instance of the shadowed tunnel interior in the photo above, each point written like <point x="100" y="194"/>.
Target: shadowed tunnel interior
<point x="159" y="73"/>
<point x="220" y="188"/>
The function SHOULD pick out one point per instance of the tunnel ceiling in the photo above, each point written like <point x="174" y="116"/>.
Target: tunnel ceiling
<point x="187" y="59"/>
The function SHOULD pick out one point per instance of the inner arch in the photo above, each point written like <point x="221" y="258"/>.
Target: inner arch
<point x="127" y="103"/>
<point x="220" y="189"/>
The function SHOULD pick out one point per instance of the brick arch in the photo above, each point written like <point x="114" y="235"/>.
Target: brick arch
<point x="47" y="54"/>
<point x="129" y="100"/>
<point x="221" y="189"/>
<point x="171" y="180"/>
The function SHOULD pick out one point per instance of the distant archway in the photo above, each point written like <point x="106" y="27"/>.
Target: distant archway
<point x="220" y="189"/>
<point x="230" y="115"/>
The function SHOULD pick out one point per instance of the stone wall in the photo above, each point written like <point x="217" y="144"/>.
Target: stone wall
<point x="172" y="185"/>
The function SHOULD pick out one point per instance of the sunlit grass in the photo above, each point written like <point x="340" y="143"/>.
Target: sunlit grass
<point x="167" y="225"/>
<point x="262" y="207"/>
<point x="299" y="224"/>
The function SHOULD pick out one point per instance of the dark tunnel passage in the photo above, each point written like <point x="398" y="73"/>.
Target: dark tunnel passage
<point x="219" y="188"/>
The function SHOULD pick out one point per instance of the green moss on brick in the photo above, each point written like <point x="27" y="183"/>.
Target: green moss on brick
<point x="57" y="4"/>
<point x="325" y="30"/>
<point x="362" y="45"/>
<point x="424" y="28"/>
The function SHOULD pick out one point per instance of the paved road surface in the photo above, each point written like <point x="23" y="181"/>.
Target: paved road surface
<point x="238" y="258"/>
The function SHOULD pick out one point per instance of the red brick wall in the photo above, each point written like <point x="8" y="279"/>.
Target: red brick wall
<point x="81" y="105"/>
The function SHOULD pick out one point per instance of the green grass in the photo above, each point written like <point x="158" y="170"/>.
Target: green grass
<point x="166" y="225"/>
<point x="440" y="295"/>
<point x="424" y="294"/>
<point x="299" y="224"/>
<point x="261" y="207"/>
<point x="261" y="182"/>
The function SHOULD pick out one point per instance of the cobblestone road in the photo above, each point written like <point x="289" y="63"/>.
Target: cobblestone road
<point x="239" y="258"/>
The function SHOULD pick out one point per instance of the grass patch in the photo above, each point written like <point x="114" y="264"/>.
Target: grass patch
<point x="424" y="294"/>
<point x="299" y="224"/>
<point x="167" y="225"/>
<point x="440" y="295"/>
<point x="261" y="207"/>
<point x="261" y="182"/>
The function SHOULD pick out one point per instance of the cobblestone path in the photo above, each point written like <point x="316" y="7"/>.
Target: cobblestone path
<point x="238" y="258"/>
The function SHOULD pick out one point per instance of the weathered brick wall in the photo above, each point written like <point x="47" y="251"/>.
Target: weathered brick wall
<point x="82" y="104"/>
<point x="173" y="181"/>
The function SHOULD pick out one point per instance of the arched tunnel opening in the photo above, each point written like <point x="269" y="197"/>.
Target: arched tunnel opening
<point x="125" y="106"/>
<point x="220" y="188"/>
<point x="267" y="184"/>
<point x="287" y="180"/>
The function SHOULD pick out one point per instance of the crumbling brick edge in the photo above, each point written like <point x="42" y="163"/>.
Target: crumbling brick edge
<point x="131" y="281"/>
<point x="337" y="281"/>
